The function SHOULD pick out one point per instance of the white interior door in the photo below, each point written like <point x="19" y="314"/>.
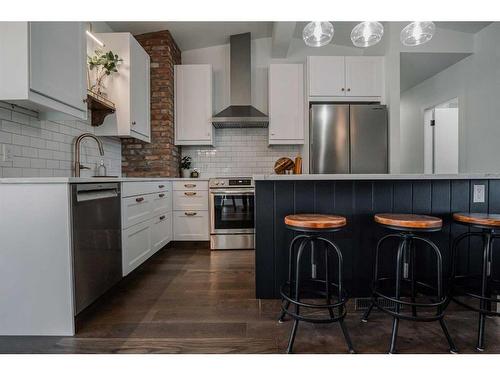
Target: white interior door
<point x="446" y="140"/>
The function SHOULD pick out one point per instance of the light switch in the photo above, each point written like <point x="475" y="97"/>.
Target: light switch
<point x="478" y="196"/>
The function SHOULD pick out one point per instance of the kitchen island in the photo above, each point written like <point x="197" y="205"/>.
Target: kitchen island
<point x="359" y="197"/>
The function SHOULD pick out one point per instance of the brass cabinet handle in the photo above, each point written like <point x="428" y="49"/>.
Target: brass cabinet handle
<point x="162" y="217"/>
<point x="161" y="186"/>
<point x="140" y="199"/>
<point x="190" y="213"/>
<point x="190" y="193"/>
<point x="161" y="195"/>
<point x="190" y="185"/>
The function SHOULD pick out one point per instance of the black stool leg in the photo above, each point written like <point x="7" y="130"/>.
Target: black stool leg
<point x="297" y="298"/>
<point x="395" y="323"/>
<point x="412" y="260"/>
<point x="439" y="260"/>
<point x="290" y="268"/>
<point x="484" y="286"/>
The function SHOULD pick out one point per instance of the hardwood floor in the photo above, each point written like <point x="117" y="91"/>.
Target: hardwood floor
<point x="191" y="300"/>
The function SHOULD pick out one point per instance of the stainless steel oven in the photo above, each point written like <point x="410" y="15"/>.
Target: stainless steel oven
<point x="232" y="222"/>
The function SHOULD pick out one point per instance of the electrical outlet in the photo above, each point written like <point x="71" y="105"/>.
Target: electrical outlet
<point x="7" y="152"/>
<point x="478" y="196"/>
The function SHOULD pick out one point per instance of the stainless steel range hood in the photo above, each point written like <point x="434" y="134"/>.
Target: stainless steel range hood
<point x="240" y="114"/>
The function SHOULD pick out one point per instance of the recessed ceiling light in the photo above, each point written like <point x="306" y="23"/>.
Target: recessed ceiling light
<point x="417" y="33"/>
<point x="366" y="34"/>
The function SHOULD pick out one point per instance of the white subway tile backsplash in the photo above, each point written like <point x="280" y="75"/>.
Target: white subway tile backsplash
<point x="44" y="148"/>
<point x="238" y="152"/>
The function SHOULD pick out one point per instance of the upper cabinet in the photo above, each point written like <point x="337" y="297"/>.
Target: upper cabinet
<point x="193" y="104"/>
<point x="128" y="89"/>
<point x="286" y="104"/>
<point x="43" y="66"/>
<point x="345" y="76"/>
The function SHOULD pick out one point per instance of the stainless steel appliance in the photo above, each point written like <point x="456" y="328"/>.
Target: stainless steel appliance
<point x="348" y="138"/>
<point x="232" y="223"/>
<point x="240" y="113"/>
<point x="97" y="250"/>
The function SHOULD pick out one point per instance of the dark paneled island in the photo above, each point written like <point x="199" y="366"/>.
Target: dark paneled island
<point x="359" y="197"/>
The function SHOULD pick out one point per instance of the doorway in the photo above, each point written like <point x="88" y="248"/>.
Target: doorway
<point x="441" y="138"/>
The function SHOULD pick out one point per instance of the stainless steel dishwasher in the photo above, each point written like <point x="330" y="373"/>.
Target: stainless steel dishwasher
<point x="97" y="250"/>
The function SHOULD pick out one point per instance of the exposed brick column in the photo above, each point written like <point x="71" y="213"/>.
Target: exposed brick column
<point x="161" y="157"/>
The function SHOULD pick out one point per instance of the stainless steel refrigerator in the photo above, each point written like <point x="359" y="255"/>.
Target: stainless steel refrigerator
<point x="348" y="138"/>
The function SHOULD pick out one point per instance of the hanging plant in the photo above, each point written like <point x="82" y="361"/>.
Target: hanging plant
<point x="104" y="64"/>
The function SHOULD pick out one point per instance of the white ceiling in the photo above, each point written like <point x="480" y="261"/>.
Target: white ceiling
<point x="416" y="67"/>
<point x="191" y="35"/>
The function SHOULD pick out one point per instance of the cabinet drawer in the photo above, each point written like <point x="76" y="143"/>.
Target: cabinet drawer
<point x="161" y="202"/>
<point x="191" y="226"/>
<point x="136" y="246"/>
<point x="148" y="187"/>
<point x="190" y="200"/>
<point x="190" y="185"/>
<point x="161" y="231"/>
<point x="136" y="209"/>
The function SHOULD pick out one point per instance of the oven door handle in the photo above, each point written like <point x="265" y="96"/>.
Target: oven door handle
<point x="233" y="192"/>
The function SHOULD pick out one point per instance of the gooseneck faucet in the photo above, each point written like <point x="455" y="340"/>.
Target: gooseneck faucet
<point x="78" y="141"/>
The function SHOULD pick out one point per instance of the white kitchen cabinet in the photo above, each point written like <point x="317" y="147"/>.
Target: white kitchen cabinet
<point x="286" y="104"/>
<point x="193" y="104"/>
<point x="129" y="89"/>
<point x="136" y="245"/>
<point x="326" y="75"/>
<point x="146" y="220"/>
<point x="43" y="67"/>
<point x="345" y="76"/>
<point x="363" y="75"/>
<point x="191" y="226"/>
<point x="190" y="200"/>
<point x="190" y="210"/>
<point x="161" y="231"/>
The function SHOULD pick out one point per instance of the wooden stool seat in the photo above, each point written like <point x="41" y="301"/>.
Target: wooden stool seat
<point x="485" y="220"/>
<point x="409" y="221"/>
<point x="315" y="221"/>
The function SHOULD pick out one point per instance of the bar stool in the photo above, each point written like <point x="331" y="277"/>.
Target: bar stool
<point x="311" y="228"/>
<point x="406" y="225"/>
<point x="489" y="224"/>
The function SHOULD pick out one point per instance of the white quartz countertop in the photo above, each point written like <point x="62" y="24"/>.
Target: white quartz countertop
<point x="320" y="177"/>
<point x="77" y="180"/>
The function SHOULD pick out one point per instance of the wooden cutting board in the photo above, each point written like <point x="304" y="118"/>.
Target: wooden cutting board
<point x="282" y="165"/>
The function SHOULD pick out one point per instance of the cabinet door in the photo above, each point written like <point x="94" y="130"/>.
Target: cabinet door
<point x="364" y="75"/>
<point x="136" y="245"/>
<point x="193" y="104"/>
<point x="57" y="62"/>
<point x="139" y="89"/>
<point x="161" y="231"/>
<point x="162" y="202"/>
<point x="136" y="209"/>
<point x="326" y="76"/>
<point x="191" y="226"/>
<point x="190" y="200"/>
<point x="286" y="104"/>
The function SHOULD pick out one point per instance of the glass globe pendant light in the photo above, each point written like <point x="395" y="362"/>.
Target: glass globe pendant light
<point x="417" y="33"/>
<point x="366" y="34"/>
<point x="318" y="34"/>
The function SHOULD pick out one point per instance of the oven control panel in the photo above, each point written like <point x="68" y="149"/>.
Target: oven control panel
<point x="231" y="182"/>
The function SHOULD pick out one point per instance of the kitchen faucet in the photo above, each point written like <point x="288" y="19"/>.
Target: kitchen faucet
<point x="78" y="141"/>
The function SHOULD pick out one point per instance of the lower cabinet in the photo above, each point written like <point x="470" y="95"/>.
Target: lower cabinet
<point x="146" y="221"/>
<point x="161" y="231"/>
<point x="136" y="246"/>
<point x="191" y="226"/>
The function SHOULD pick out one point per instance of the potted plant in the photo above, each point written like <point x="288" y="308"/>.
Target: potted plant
<point x="104" y="64"/>
<point x="186" y="166"/>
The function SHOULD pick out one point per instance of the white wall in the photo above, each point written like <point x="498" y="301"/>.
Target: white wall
<point x="45" y="148"/>
<point x="476" y="82"/>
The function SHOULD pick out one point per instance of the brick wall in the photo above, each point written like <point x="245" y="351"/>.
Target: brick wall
<point x="161" y="157"/>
